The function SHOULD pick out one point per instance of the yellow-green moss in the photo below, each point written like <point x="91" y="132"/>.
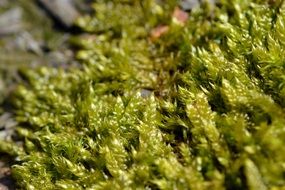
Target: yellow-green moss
<point x="200" y="107"/>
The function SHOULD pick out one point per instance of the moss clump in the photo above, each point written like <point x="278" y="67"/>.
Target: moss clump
<point x="200" y="106"/>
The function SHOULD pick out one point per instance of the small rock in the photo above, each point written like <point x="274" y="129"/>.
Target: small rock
<point x="145" y="93"/>
<point x="188" y="5"/>
<point x="63" y="10"/>
<point x="3" y="119"/>
<point x="11" y="22"/>
<point x="7" y="126"/>
<point x="3" y="3"/>
<point x="7" y="121"/>
<point x="26" y="42"/>
<point x="83" y="6"/>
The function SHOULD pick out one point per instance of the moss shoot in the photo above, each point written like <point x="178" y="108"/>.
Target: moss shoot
<point x="164" y="100"/>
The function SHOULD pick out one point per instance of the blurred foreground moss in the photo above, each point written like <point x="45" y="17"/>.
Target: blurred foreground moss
<point x="198" y="106"/>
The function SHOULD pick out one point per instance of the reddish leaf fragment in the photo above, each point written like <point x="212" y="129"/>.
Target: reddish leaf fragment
<point x="180" y="16"/>
<point x="159" y="31"/>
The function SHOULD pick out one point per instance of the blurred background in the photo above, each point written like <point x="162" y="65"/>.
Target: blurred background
<point x="33" y="33"/>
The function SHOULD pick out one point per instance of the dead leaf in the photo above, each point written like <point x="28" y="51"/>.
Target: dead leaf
<point x="179" y="16"/>
<point x="158" y="31"/>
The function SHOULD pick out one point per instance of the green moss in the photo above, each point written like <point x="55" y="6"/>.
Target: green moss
<point x="200" y="107"/>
